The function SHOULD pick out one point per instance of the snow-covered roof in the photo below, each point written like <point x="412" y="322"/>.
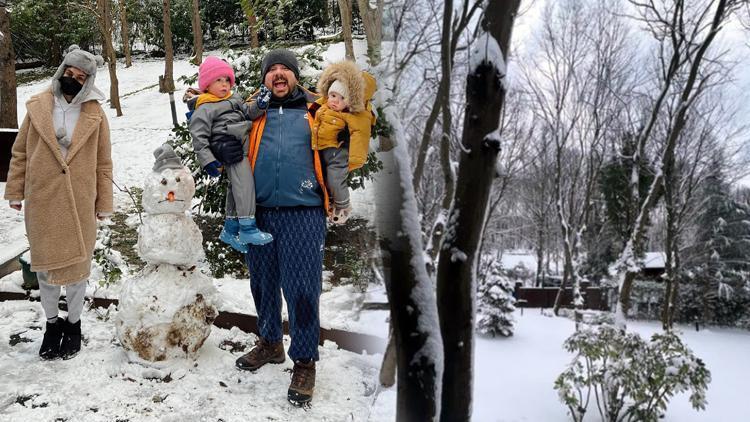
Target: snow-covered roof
<point x="654" y="260"/>
<point x="510" y="260"/>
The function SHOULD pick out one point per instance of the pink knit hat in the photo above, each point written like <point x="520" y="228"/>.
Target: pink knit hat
<point x="212" y="69"/>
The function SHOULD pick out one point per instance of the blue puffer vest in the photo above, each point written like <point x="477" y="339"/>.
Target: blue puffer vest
<point x="284" y="169"/>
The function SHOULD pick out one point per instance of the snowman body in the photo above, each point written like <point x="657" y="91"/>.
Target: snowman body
<point x="168" y="235"/>
<point x="166" y="312"/>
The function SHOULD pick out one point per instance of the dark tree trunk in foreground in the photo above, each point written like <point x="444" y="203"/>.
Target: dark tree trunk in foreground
<point x="485" y="95"/>
<point x="8" y="97"/>
<point x="406" y="279"/>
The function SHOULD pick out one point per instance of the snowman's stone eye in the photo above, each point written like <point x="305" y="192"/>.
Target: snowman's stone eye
<point x="163" y="181"/>
<point x="177" y="179"/>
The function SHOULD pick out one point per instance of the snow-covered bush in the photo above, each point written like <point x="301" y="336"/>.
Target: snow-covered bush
<point x="495" y="302"/>
<point x="629" y="378"/>
<point x="107" y="259"/>
<point x="709" y="299"/>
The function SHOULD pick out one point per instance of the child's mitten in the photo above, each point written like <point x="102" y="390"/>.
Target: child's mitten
<point x="213" y="168"/>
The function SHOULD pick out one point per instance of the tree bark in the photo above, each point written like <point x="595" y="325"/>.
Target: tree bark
<point x="197" y="58"/>
<point x="485" y="96"/>
<point x="8" y="96"/>
<point x="372" y="18"/>
<point x="105" y="29"/>
<point x="252" y="22"/>
<point x="410" y="292"/>
<point x="125" y="33"/>
<point x="671" y="246"/>
<point x="345" y="9"/>
<point x="168" y="83"/>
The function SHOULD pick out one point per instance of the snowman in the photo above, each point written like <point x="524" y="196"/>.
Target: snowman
<point x="166" y="312"/>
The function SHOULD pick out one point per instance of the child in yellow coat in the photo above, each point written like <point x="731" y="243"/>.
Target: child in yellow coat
<point x="341" y="129"/>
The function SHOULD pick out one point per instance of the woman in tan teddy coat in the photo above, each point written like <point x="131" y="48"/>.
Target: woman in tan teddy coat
<point x="61" y="169"/>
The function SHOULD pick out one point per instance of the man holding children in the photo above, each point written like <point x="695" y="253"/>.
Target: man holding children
<point x="295" y="137"/>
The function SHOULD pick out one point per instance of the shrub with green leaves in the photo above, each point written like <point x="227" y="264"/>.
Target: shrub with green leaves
<point x="109" y="260"/>
<point x="630" y="379"/>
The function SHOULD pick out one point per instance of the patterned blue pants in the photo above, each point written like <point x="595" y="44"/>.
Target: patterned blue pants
<point x="292" y="263"/>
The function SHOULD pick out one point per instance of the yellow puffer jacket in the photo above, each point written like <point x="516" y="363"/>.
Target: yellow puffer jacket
<point x="358" y="120"/>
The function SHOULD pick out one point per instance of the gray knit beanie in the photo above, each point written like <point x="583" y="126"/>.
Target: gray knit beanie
<point x="166" y="158"/>
<point x="83" y="60"/>
<point x="279" y="56"/>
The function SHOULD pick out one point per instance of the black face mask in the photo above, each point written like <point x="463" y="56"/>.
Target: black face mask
<point x="70" y="86"/>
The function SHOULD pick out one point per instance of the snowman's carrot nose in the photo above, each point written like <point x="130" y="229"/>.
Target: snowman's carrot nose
<point x="170" y="196"/>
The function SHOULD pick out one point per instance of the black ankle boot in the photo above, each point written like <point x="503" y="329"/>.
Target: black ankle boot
<point x="53" y="334"/>
<point x="71" y="341"/>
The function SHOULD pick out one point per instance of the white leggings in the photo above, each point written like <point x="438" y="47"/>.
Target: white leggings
<point x="50" y="295"/>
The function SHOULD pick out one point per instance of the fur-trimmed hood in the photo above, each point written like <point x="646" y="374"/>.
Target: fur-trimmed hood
<point x="361" y="85"/>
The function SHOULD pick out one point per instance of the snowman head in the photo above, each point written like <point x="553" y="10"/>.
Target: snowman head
<point x="170" y="188"/>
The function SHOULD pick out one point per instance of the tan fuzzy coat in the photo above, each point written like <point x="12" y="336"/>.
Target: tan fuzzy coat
<point x="358" y="120"/>
<point x="61" y="196"/>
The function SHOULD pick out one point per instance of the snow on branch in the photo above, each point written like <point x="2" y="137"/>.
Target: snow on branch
<point x="487" y="51"/>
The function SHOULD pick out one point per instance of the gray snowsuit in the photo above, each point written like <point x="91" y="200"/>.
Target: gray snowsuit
<point x="213" y="127"/>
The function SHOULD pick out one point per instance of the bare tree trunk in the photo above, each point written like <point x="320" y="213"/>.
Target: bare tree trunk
<point x="372" y="18"/>
<point x="197" y="34"/>
<point x="671" y="246"/>
<point x="485" y="96"/>
<point x="410" y="292"/>
<point x="166" y="81"/>
<point x="125" y="33"/>
<point x="168" y="50"/>
<point x="345" y="8"/>
<point x="104" y="17"/>
<point x="252" y="22"/>
<point x="8" y="97"/>
<point x="448" y="41"/>
<point x="692" y="86"/>
<point x="424" y="144"/>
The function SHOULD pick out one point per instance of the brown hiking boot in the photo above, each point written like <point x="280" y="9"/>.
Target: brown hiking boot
<point x="303" y="382"/>
<point x="263" y="353"/>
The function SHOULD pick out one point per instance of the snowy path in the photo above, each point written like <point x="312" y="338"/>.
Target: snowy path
<point x="100" y="384"/>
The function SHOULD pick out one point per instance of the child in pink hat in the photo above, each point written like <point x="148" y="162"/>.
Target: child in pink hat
<point x="220" y="128"/>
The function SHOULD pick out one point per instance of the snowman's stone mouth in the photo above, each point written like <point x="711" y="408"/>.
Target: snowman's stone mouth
<point x="173" y="200"/>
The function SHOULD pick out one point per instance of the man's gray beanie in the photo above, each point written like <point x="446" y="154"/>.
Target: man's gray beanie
<point x="279" y="56"/>
<point x="83" y="60"/>
<point x="166" y="158"/>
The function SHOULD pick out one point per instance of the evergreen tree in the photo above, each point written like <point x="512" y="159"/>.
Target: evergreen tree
<point x="720" y="258"/>
<point x="43" y="29"/>
<point x="495" y="301"/>
<point x="614" y="183"/>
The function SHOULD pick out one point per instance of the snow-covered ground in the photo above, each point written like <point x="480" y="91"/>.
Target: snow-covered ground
<point x="515" y="376"/>
<point x="100" y="384"/>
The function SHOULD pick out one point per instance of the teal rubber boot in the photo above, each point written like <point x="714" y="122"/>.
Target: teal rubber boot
<point x="249" y="232"/>
<point x="229" y="235"/>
